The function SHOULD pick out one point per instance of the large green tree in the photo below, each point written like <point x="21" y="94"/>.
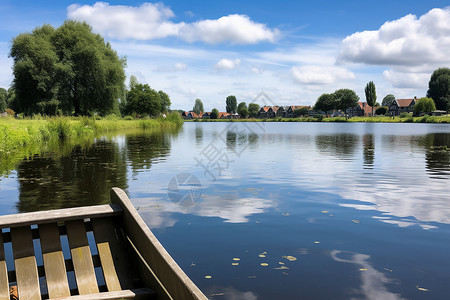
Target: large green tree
<point x="424" y="105"/>
<point x="143" y="100"/>
<point x="371" y="94"/>
<point x="325" y="103"/>
<point x="387" y="100"/>
<point x="345" y="98"/>
<point x="165" y="102"/>
<point x="439" y="88"/>
<point x="69" y="69"/>
<point x="198" y="106"/>
<point x="3" y="97"/>
<point x="231" y="104"/>
<point x="214" y="114"/>
<point x="253" y="110"/>
<point x="242" y="110"/>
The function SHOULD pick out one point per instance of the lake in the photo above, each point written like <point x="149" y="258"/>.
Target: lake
<point x="272" y="210"/>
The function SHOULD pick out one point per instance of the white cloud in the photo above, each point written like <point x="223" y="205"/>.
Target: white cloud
<point x="407" y="80"/>
<point x="152" y="21"/>
<point x="320" y="74"/>
<point x="408" y="41"/>
<point x="226" y="64"/>
<point x="180" y="67"/>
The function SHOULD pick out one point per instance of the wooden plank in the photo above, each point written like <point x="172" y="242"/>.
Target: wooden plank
<point x="138" y="294"/>
<point x="111" y="255"/>
<point x="175" y="281"/>
<point x="58" y="215"/>
<point x="55" y="269"/>
<point x="81" y="258"/>
<point x="4" y="285"/>
<point x="25" y="263"/>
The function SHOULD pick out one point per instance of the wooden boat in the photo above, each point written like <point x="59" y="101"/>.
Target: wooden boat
<point x="128" y="261"/>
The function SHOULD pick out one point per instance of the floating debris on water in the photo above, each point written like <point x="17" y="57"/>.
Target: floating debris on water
<point x="264" y="264"/>
<point x="208" y="276"/>
<point x="422" y="289"/>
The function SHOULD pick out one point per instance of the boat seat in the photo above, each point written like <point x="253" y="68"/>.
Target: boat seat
<point x="74" y="253"/>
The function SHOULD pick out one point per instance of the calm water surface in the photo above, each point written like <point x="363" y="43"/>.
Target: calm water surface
<point x="285" y="210"/>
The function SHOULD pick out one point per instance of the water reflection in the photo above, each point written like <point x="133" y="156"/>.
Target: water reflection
<point x="340" y="145"/>
<point x="198" y="135"/>
<point x="437" y="156"/>
<point x="373" y="282"/>
<point x="368" y="150"/>
<point x="84" y="177"/>
<point x="229" y="293"/>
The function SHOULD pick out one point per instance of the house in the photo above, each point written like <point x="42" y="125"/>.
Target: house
<point x="272" y="112"/>
<point x="223" y="115"/>
<point x="233" y="116"/>
<point x="206" y="115"/>
<point x="262" y="113"/>
<point x="399" y="106"/>
<point x="191" y="115"/>
<point x="362" y="109"/>
<point x="282" y="111"/>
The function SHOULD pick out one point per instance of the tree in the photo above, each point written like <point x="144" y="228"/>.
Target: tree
<point x="143" y="100"/>
<point x="371" y="94"/>
<point x="253" y="110"/>
<point x="439" y="88"/>
<point x="387" y="100"/>
<point x="133" y="81"/>
<point x="301" y="112"/>
<point x="424" y="105"/>
<point x="242" y="110"/>
<point x="68" y="69"/>
<point x="325" y="103"/>
<point x="382" y="110"/>
<point x="3" y="97"/>
<point x="214" y="114"/>
<point x="231" y="104"/>
<point x="198" y="106"/>
<point x="165" y="102"/>
<point x="345" y="98"/>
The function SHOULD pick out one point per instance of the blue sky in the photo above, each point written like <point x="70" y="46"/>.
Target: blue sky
<point x="293" y="51"/>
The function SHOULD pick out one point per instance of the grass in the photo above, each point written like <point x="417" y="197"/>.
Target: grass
<point x="35" y="136"/>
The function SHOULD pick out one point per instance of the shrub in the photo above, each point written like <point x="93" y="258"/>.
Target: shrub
<point x="128" y="118"/>
<point x="405" y="115"/>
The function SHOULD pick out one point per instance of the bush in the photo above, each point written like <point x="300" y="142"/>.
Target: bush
<point x="382" y="110"/>
<point x="405" y="115"/>
<point x="128" y="118"/>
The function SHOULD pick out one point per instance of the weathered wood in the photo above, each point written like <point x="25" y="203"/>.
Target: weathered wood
<point x="4" y="285"/>
<point x="54" y="264"/>
<point x="25" y="263"/>
<point x="81" y="258"/>
<point x="58" y="215"/>
<point x="138" y="294"/>
<point x="175" y="281"/>
<point x="112" y="256"/>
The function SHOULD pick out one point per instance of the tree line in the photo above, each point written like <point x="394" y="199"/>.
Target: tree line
<point x="70" y="70"/>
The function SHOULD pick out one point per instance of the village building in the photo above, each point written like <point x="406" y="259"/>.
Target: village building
<point x="399" y="106"/>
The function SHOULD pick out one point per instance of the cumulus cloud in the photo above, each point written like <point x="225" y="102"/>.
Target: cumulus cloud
<point x="407" y="80"/>
<point x="320" y="75"/>
<point x="408" y="41"/>
<point x="152" y="21"/>
<point x="226" y="64"/>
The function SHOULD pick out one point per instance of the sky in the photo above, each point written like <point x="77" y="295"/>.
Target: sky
<point x="289" y="51"/>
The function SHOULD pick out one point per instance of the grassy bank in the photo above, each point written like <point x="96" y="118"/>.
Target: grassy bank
<point x="408" y="119"/>
<point x="38" y="135"/>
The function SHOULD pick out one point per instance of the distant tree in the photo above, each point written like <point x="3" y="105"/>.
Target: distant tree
<point x="143" y="100"/>
<point x="133" y="81"/>
<point x="253" y="110"/>
<point x="371" y="94"/>
<point x="165" y="102"/>
<point x="301" y="112"/>
<point x="325" y="103"/>
<point x="382" y="110"/>
<point x="198" y="106"/>
<point x="3" y="98"/>
<point x="439" y="88"/>
<point x="231" y="104"/>
<point x="387" y="100"/>
<point x="242" y="110"/>
<point x="68" y="69"/>
<point x="345" y="98"/>
<point x="214" y="114"/>
<point x="424" y="105"/>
